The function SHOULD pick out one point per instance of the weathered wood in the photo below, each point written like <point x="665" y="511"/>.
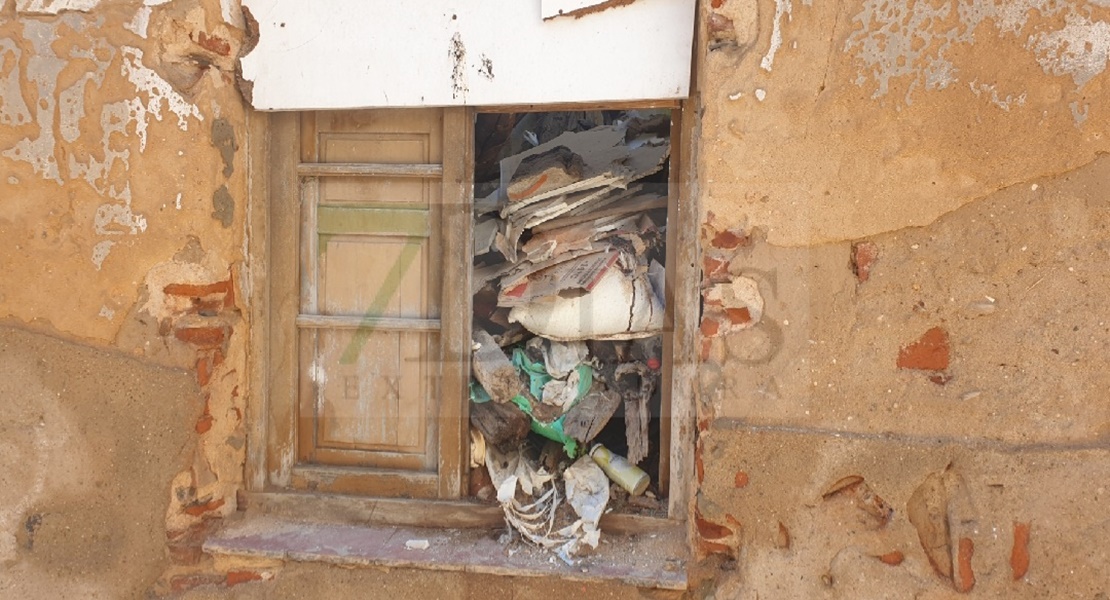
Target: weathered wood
<point x="456" y="305"/>
<point x="421" y="170"/>
<point x="453" y="514"/>
<point x="382" y="484"/>
<point x="371" y="323"/>
<point x="503" y="425"/>
<point x="585" y="420"/>
<point x="636" y="382"/>
<point x="284" y="291"/>
<point x="258" y="262"/>
<point x="494" y="371"/>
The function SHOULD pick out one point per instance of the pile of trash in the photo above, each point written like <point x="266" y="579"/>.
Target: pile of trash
<point x="569" y="283"/>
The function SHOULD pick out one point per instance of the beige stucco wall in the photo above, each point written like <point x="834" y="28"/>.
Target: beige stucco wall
<point x="954" y="149"/>
<point x="957" y="142"/>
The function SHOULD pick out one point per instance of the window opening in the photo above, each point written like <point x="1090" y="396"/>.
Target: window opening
<point x="569" y="296"/>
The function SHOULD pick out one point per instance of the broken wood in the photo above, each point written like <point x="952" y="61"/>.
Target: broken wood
<point x="636" y="382"/>
<point x="503" y="425"/>
<point x="585" y="420"/>
<point x="494" y="371"/>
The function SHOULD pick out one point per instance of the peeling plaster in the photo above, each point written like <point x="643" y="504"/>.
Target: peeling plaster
<point x="13" y="110"/>
<point x="993" y="96"/>
<point x="913" y="39"/>
<point x="1081" y="49"/>
<point x="53" y="7"/>
<point x="43" y="68"/>
<point x="140" y="22"/>
<point x="157" y="89"/>
<point x="782" y="7"/>
<point x="100" y="252"/>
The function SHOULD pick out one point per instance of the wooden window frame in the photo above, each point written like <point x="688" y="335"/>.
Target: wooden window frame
<point x="271" y="477"/>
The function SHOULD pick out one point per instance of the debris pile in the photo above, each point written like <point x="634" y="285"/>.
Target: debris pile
<point x="569" y="301"/>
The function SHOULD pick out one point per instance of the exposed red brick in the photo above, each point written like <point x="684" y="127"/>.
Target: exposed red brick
<point x="714" y="268"/>
<point x="892" y="558"/>
<point x="739" y="316"/>
<point x="965" y="578"/>
<point x="214" y="44"/>
<point x="707" y="548"/>
<point x="204" y="423"/>
<point x="930" y="353"/>
<point x="197" y="290"/>
<point x="718" y="3"/>
<point x="1019" y="554"/>
<point x="205" y="337"/>
<point x="709" y="530"/>
<point x="709" y="327"/>
<point x="728" y="239"/>
<point x="237" y="577"/>
<point x="217" y="357"/>
<point x="199" y="508"/>
<point x="741" y="479"/>
<point x="182" y="583"/>
<point x="204" y="371"/>
<point x="863" y="256"/>
<point x="703" y="424"/>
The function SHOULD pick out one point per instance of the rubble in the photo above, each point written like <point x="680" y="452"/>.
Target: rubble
<point x="569" y="300"/>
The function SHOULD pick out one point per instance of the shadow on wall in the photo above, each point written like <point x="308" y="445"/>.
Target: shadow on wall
<point x="89" y="441"/>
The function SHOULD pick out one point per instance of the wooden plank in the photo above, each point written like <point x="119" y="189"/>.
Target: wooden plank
<point x="457" y="310"/>
<point x="684" y="267"/>
<point x="381" y="484"/>
<point x="448" y="514"/>
<point x="419" y="170"/>
<point x="284" y="220"/>
<point x="580" y="106"/>
<point x="667" y="397"/>
<point x="371" y="323"/>
<point x="258" y="265"/>
<point x="338" y="220"/>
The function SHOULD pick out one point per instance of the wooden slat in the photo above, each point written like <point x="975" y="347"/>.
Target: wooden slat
<point x="372" y="323"/>
<point x="284" y="250"/>
<point x="448" y="514"/>
<point x="339" y="220"/>
<point x="580" y="106"/>
<point x="420" y="170"/>
<point x="381" y="484"/>
<point x="258" y="261"/>
<point x="684" y="282"/>
<point x="667" y="397"/>
<point x="456" y="308"/>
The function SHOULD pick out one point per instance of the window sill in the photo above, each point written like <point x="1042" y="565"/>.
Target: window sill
<point x="654" y="558"/>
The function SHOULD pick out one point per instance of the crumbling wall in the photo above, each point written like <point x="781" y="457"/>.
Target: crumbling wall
<point x="904" y="246"/>
<point x="124" y="193"/>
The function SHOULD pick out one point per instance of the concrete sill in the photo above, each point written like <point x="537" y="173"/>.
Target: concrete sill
<point x="650" y="560"/>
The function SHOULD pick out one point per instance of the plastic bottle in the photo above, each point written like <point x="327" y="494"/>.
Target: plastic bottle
<point x="627" y="475"/>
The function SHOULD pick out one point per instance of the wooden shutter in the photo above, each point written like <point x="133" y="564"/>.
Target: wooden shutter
<point x="379" y="402"/>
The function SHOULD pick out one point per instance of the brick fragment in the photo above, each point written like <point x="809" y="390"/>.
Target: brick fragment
<point x="965" y="578"/>
<point x="892" y="558"/>
<point x="204" y="423"/>
<point x="929" y="353"/>
<point x="184" y="583"/>
<point x="237" y="577"/>
<point x="1019" y="554"/>
<point x="204" y="337"/>
<point x="214" y="44"/>
<point x="199" y="508"/>
<point x="862" y="258"/>
<point x="729" y="239"/>
<point x="741" y="479"/>
<point x="718" y="3"/>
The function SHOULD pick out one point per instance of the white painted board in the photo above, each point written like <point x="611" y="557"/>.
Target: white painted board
<point x="380" y="53"/>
